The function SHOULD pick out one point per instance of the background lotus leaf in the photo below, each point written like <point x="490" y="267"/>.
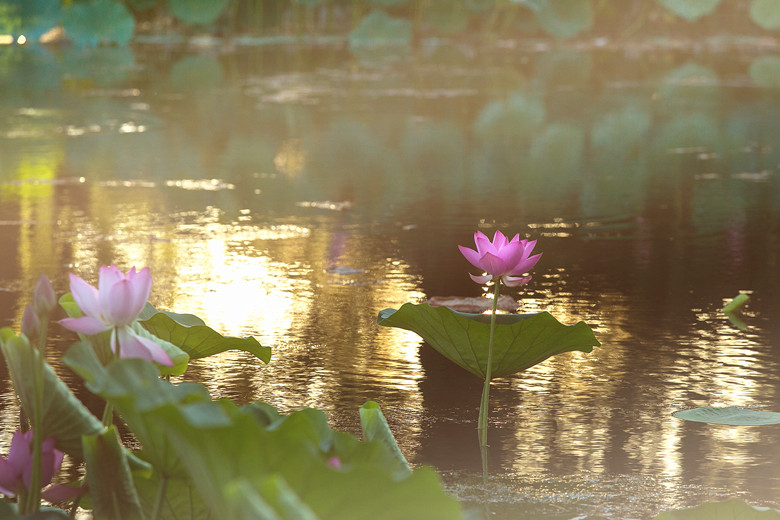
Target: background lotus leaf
<point x="190" y="334"/>
<point x="730" y="415"/>
<point x="728" y="510"/>
<point x="521" y="340"/>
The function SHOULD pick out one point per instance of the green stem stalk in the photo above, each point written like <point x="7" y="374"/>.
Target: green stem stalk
<point x="33" y="502"/>
<point x="483" y="405"/>
<point x="158" y="502"/>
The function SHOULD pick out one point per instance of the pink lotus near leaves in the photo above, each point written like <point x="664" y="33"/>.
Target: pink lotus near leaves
<point x="16" y="470"/>
<point x="501" y="258"/>
<point x="114" y="306"/>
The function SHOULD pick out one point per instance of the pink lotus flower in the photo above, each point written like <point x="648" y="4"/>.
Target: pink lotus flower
<point x="507" y="259"/>
<point x="16" y="470"/>
<point x="114" y="306"/>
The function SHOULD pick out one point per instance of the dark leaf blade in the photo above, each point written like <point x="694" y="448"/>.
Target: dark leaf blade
<point x="521" y="340"/>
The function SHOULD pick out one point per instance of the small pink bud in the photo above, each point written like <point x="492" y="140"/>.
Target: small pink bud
<point x="44" y="299"/>
<point x="334" y="462"/>
<point x="31" y="325"/>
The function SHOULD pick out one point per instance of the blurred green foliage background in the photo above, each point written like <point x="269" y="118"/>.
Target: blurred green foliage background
<point x="117" y="22"/>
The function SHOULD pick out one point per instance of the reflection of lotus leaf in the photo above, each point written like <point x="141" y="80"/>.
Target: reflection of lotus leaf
<point x="30" y="18"/>
<point x="558" y="152"/>
<point x="28" y="69"/>
<point x="564" y="19"/>
<point x="201" y="12"/>
<point x="510" y="121"/>
<point x="617" y="133"/>
<point x="564" y="67"/>
<point x="689" y="131"/>
<point x="765" y="13"/>
<point x="89" y="24"/>
<point x="690" y="86"/>
<point x="103" y="66"/>
<point x="765" y="71"/>
<point x="378" y="28"/>
<point x="448" y="16"/>
<point x="691" y="10"/>
<point x="434" y="151"/>
<point x="196" y="72"/>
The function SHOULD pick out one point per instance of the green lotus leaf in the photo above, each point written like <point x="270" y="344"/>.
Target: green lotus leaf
<point x="375" y="427"/>
<point x="199" y="12"/>
<point x="293" y="451"/>
<point x="181" y="498"/>
<point x="101" y="21"/>
<point x="764" y="71"/>
<point x="521" y="340"/>
<point x="765" y="13"/>
<point x="64" y="416"/>
<point x="380" y="29"/>
<point x="727" y="510"/>
<point x="731" y="415"/>
<point x="133" y="387"/>
<point x="101" y="345"/>
<point x="565" y="19"/>
<point x="31" y="18"/>
<point x="110" y="482"/>
<point x="690" y="10"/>
<point x="188" y="333"/>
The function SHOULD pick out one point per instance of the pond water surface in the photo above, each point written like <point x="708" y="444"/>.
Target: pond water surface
<point x="291" y="192"/>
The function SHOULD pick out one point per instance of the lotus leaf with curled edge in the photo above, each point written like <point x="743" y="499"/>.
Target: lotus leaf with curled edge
<point x="521" y="341"/>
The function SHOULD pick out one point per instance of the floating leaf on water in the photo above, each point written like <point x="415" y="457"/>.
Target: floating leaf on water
<point x="731" y="415"/>
<point x="690" y="10"/>
<point x="728" y="510"/>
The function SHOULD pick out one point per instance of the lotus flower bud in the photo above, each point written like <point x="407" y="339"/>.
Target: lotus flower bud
<point x="44" y="299"/>
<point x="31" y="325"/>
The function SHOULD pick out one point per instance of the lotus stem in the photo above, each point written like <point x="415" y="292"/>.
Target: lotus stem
<point x="483" y="405"/>
<point x="33" y="502"/>
<point x="158" y="502"/>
